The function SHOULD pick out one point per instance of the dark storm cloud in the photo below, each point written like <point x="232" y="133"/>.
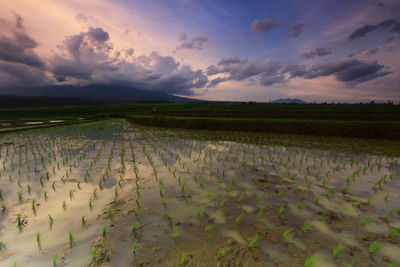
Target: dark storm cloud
<point x="17" y="75"/>
<point x="295" y="30"/>
<point x="349" y="71"/>
<point x="89" y="57"/>
<point x="318" y="52"/>
<point x="391" y="24"/>
<point x="268" y="72"/>
<point x="264" y="26"/>
<point x="17" y="46"/>
<point x="83" y="54"/>
<point x="227" y="61"/>
<point x="195" y="43"/>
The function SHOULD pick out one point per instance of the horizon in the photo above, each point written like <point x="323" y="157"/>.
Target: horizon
<point x="340" y="52"/>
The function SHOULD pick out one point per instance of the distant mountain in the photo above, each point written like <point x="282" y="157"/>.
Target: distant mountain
<point x="103" y="93"/>
<point x="288" y="101"/>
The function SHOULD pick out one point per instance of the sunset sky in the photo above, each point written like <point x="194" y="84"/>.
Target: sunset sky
<point x="256" y="50"/>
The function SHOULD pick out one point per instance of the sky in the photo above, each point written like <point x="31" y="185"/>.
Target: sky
<point x="235" y="50"/>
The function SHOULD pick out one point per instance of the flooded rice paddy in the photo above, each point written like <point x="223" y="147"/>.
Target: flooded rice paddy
<point x="115" y="194"/>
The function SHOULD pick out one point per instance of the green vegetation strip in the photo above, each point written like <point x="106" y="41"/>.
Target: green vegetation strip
<point x="364" y="129"/>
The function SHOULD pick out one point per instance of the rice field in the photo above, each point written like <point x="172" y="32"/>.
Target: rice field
<point x="112" y="193"/>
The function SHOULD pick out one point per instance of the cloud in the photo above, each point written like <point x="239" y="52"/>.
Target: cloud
<point x="264" y="26"/>
<point x="391" y="24"/>
<point x="82" y="17"/>
<point x="17" y="46"/>
<point x="351" y="71"/>
<point x="195" y="43"/>
<point x="19" y="75"/>
<point x="90" y="57"/>
<point x="318" y="52"/>
<point x="182" y="36"/>
<point x="269" y="72"/>
<point x="82" y="54"/>
<point x="295" y="30"/>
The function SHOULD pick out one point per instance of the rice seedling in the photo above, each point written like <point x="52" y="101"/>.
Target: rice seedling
<point x="317" y="199"/>
<point x="134" y="247"/>
<point x="135" y="226"/>
<point x="71" y="239"/>
<point x="260" y="213"/>
<point x="300" y="204"/>
<point x="253" y="240"/>
<point x="3" y="208"/>
<point x="386" y="198"/>
<point x="183" y="259"/>
<point x="364" y="221"/>
<point x="93" y="253"/>
<point x="105" y="230"/>
<point x="222" y="204"/>
<point x="50" y="222"/>
<point x="200" y="210"/>
<point x="34" y="206"/>
<point x="286" y="234"/>
<point x="19" y="220"/>
<point x="259" y="196"/>
<point x="54" y="260"/>
<point x="306" y="227"/>
<point x="83" y="221"/>
<point x="175" y="233"/>
<point x="374" y="246"/>
<point x="394" y="232"/>
<point x="64" y="205"/>
<point x="310" y="260"/>
<point x="170" y="214"/>
<point x="209" y="227"/>
<point x="38" y="241"/>
<point x="19" y="194"/>
<point x="388" y="214"/>
<point x="239" y="218"/>
<point x="336" y="251"/>
<point x="281" y="209"/>
<point x="219" y="255"/>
